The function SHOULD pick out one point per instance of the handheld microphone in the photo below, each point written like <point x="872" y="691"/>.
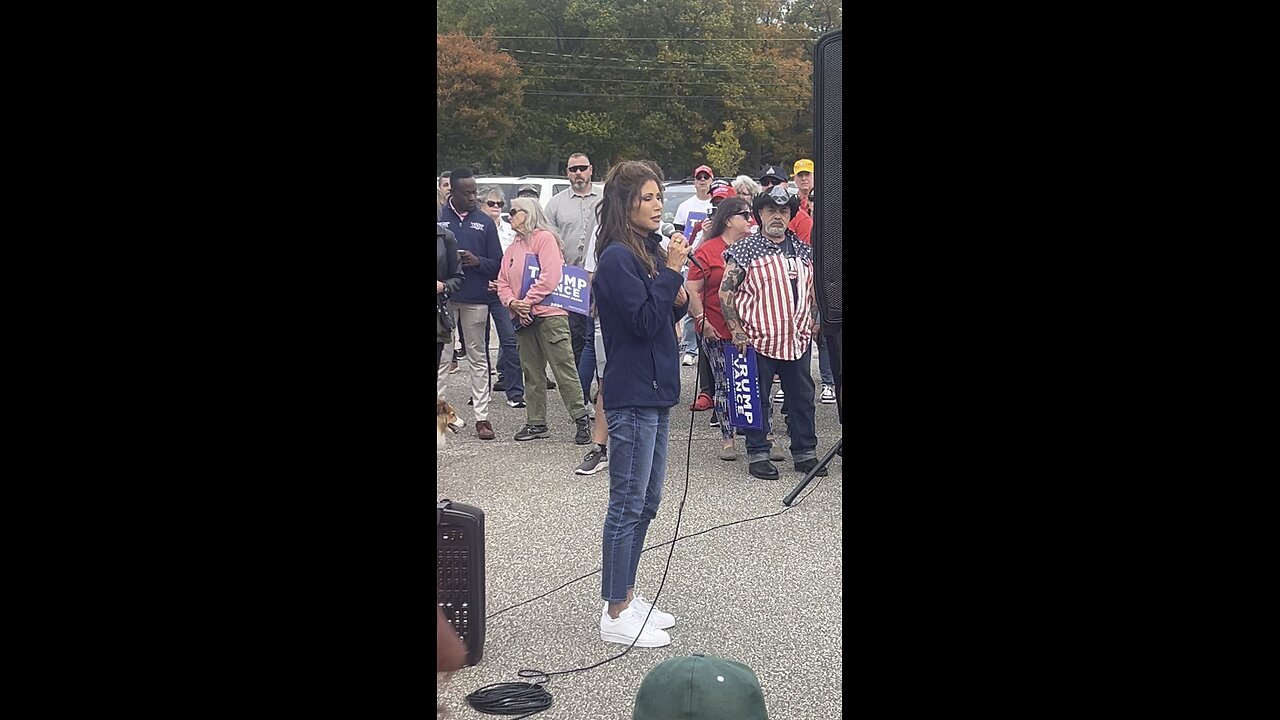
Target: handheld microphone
<point x="666" y="229"/>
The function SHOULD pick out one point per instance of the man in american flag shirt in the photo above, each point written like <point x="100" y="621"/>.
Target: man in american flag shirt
<point x="768" y="303"/>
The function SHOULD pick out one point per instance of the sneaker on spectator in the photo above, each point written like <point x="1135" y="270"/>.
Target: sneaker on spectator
<point x="594" y="462"/>
<point x="583" y="436"/>
<point x="551" y="384"/>
<point x="499" y="386"/>
<point x="629" y="627"/>
<point x="778" y="396"/>
<point x="518" y="402"/>
<point x="688" y="360"/>
<point x="529" y="432"/>
<point x="715" y="420"/>
<point x="828" y="395"/>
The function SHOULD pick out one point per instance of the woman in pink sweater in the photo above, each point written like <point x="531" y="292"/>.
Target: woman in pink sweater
<point x="542" y="331"/>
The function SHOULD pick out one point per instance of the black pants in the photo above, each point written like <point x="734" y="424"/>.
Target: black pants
<point x="577" y="335"/>
<point x="835" y="346"/>
<point x="706" y="381"/>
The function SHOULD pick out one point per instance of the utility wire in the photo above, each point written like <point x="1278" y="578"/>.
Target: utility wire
<point x="580" y="66"/>
<point x="657" y="82"/>
<point x="613" y="39"/>
<point x="670" y="97"/>
<point x="636" y="60"/>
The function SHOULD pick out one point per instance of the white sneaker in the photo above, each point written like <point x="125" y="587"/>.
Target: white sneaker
<point x="658" y="619"/>
<point x="688" y="360"/>
<point x="640" y="607"/>
<point x="779" y="396"/>
<point x="628" y="626"/>
<point x="828" y="395"/>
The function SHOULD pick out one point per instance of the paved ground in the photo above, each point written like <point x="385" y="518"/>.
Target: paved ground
<point x="766" y="593"/>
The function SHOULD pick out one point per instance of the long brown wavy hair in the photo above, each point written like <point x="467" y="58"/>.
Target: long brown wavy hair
<point x="621" y="193"/>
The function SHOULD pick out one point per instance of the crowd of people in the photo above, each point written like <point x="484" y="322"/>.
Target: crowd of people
<point x="752" y="284"/>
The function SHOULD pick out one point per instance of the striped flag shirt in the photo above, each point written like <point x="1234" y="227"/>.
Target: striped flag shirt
<point x="775" y="310"/>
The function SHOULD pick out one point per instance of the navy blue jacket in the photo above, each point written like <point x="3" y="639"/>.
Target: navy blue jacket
<point x="479" y="235"/>
<point x="637" y="322"/>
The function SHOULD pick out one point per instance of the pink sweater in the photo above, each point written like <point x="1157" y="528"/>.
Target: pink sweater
<point x="544" y="245"/>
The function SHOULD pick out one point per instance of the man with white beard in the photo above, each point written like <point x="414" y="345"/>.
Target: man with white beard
<point x="768" y="303"/>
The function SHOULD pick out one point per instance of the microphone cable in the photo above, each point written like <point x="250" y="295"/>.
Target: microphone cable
<point x="531" y="697"/>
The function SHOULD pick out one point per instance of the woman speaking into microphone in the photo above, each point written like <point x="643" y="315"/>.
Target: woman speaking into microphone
<point x="639" y="295"/>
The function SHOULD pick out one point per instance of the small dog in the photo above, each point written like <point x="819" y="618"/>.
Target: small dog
<point x="446" y="419"/>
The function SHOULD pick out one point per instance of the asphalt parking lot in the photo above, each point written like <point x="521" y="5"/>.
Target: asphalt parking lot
<point x="766" y="592"/>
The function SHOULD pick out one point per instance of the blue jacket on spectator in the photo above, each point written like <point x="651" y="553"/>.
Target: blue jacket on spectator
<point x="479" y="235"/>
<point x="637" y="320"/>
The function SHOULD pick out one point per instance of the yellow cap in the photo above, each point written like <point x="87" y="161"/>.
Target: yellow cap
<point x="802" y="166"/>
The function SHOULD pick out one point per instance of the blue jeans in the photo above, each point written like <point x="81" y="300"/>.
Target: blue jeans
<point x="509" y="352"/>
<point x="797" y="383"/>
<point x="587" y="363"/>
<point x="689" y="340"/>
<point x="637" y="466"/>
<point x="824" y="361"/>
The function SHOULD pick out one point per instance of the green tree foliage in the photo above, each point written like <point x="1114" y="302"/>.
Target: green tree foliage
<point x="741" y="67"/>
<point x="725" y="155"/>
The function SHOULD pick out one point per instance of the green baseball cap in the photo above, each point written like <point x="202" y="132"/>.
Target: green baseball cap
<point x="700" y="687"/>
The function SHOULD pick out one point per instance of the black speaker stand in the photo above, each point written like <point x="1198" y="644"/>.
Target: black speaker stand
<point x="826" y="459"/>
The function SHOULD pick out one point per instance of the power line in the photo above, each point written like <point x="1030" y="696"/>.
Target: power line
<point x="664" y="81"/>
<point x="527" y="63"/>
<point x="635" y="60"/>
<point x="671" y="97"/>
<point x="611" y="39"/>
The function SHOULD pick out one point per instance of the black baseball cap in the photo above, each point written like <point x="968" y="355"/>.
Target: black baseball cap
<point x="774" y="171"/>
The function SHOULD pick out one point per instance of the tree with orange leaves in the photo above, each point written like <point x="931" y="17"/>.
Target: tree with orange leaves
<point x="477" y="96"/>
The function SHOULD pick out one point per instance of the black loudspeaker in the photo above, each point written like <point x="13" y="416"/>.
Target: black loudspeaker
<point x="460" y="572"/>
<point x="828" y="135"/>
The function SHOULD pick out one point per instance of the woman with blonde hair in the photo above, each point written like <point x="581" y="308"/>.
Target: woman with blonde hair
<point x="542" y="331"/>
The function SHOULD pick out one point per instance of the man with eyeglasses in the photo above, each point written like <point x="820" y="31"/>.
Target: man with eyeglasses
<point x="573" y="213"/>
<point x="801" y="224"/>
<point x="803" y="171"/>
<point x="768" y="302"/>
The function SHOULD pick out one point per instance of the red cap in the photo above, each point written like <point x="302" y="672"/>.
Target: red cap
<point x="704" y="168"/>
<point x="723" y="192"/>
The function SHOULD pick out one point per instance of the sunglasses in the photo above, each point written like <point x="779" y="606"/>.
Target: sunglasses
<point x="746" y="215"/>
<point x="703" y="176"/>
<point x="579" y="168"/>
<point x="493" y="203"/>
<point x="769" y="182"/>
